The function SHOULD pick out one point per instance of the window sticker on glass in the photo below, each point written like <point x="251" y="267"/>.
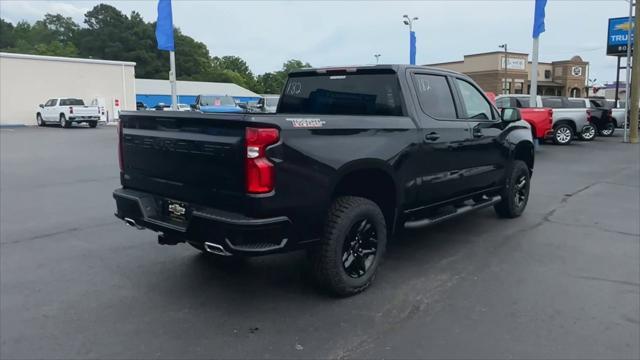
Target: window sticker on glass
<point x="216" y="102"/>
<point x="294" y="88"/>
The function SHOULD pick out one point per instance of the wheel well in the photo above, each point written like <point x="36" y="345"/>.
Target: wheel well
<point x="524" y="151"/>
<point x="567" y="122"/>
<point x="375" y="185"/>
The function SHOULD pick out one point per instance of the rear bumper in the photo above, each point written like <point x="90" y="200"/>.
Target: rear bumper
<point x="84" y="118"/>
<point x="231" y="233"/>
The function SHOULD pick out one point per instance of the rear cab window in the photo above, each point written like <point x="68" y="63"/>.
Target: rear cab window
<point x="363" y="92"/>
<point x="71" y="102"/>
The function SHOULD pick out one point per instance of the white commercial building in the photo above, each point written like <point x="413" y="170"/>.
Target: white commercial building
<point x="29" y="80"/>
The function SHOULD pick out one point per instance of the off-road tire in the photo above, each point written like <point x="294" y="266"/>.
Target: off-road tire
<point x="508" y="207"/>
<point x="326" y="259"/>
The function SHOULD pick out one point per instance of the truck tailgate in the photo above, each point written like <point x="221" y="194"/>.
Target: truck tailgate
<point x="85" y="111"/>
<point x="187" y="157"/>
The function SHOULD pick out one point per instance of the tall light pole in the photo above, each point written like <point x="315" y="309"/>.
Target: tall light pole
<point x="412" y="38"/>
<point x="505" y="86"/>
<point x="635" y="80"/>
<point x="377" y="56"/>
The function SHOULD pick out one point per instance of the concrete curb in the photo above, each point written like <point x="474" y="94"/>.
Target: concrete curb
<point x="8" y="126"/>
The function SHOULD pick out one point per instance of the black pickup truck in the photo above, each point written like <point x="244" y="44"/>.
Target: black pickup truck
<point x="351" y="156"/>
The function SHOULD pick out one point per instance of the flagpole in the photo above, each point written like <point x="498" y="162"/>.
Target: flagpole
<point x="172" y="80"/>
<point x="533" y="92"/>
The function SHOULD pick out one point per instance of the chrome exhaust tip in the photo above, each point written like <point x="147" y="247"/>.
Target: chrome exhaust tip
<point x="132" y="223"/>
<point x="216" y="249"/>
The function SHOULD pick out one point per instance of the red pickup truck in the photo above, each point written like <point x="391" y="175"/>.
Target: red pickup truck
<point x="540" y="119"/>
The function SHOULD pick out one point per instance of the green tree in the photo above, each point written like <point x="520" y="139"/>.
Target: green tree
<point x="59" y="28"/>
<point x="7" y="35"/>
<point x="112" y="35"/>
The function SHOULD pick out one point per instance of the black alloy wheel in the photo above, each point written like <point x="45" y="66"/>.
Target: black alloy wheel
<point x="360" y="248"/>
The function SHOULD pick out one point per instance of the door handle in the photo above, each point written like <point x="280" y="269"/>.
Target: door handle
<point x="432" y="136"/>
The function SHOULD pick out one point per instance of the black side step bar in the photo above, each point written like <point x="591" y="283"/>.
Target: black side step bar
<point x="414" y="224"/>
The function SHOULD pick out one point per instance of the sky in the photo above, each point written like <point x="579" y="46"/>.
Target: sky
<point x="331" y="33"/>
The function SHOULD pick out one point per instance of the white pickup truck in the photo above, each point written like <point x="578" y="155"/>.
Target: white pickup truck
<point x="66" y="111"/>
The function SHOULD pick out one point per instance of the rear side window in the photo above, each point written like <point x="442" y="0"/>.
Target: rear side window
<point x="576" y="104"/>
<point x="554" y="103"/>
<point x="342" y="94"/>
<point x="434" y="96"/>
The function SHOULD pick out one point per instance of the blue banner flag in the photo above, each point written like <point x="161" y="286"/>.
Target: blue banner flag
<point x="164" y="26"/>
<point x="412" y="47"/>
<point x="538" y="20"/>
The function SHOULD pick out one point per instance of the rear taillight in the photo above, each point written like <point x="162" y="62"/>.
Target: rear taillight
<point x="610" y="113"/>
<point x="550" y="116"/>
<point x="70" y="110"/>
<point x="260" y="174"/>
<point x="120" y="144"/>
<point x="589" y="115"/>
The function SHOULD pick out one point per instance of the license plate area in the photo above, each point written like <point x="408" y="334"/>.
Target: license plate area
<point x="177" y="211"/>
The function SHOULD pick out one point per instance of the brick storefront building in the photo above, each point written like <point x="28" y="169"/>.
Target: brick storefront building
<point x="566" y="77"/>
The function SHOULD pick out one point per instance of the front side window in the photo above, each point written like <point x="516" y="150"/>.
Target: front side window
<point x="51" y="102"/>
<point x="434" y="96"/>
<point x="475" y="105"/>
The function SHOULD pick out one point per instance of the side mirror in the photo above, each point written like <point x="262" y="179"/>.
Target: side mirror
<point x="510" y="114"/>
<point x="41" y="105"/>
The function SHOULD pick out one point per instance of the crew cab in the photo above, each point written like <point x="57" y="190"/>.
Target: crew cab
<point x="540" y="119"/>
<point x="66" y="111"/>
<point x="567" y="122"/>
<point x="351" y="156"/>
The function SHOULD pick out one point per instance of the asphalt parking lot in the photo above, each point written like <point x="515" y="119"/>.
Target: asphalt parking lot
<point x="562" y="281"/>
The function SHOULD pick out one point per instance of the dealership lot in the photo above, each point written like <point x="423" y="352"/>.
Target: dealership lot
<point x="563" y="281"/>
